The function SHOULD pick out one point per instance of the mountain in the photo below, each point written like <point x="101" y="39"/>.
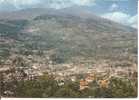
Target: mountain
<point x="71" y="33"/>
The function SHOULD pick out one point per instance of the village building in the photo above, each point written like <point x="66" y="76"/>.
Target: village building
<point x="83" y="84"/>
<point x="103" y="83"/>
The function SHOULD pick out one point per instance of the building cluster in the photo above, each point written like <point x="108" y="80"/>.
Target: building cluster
<point x="35" y="66"/>
<point x="91" y="77"/>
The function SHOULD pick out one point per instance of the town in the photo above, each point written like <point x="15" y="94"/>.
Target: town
<point x="30" y="67"/>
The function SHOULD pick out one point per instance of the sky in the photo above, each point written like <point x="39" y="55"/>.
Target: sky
<point x="121" y="11"/>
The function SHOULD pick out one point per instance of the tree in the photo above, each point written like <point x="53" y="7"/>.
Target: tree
<point x="122" y="88"/>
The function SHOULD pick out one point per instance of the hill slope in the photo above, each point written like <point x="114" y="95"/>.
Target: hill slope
<point x="68" y="35"/>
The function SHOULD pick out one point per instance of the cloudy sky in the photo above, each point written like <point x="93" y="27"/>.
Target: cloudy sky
<point x="121" y="11"/>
